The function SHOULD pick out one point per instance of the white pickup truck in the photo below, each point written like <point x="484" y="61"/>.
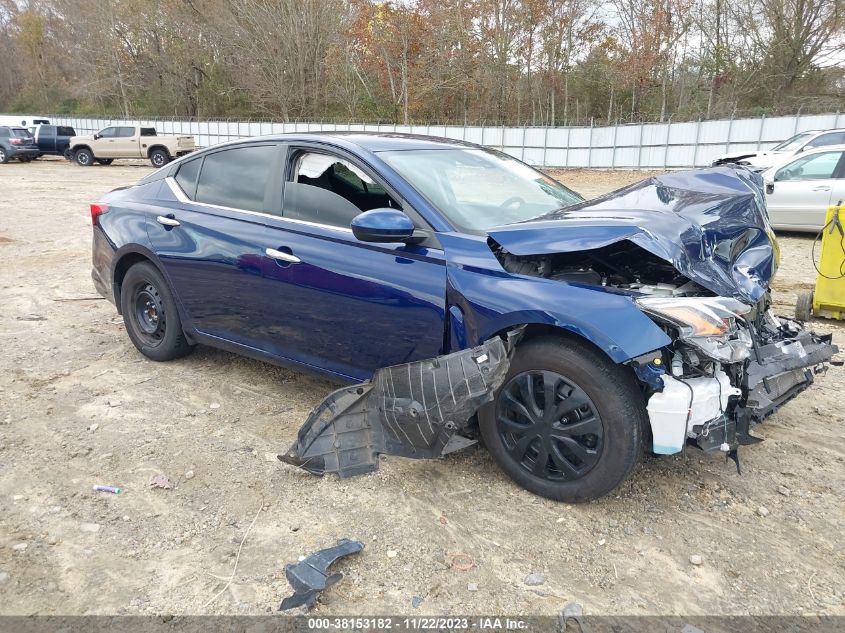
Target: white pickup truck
<point x="128" y="142"/>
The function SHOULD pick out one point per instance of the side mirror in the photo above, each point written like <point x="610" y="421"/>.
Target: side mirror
<point x="96" y="136"/>
<point x="383" y="225"/>
<point x="770" y="186"/>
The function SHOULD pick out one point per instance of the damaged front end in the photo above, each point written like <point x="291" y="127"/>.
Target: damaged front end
<point x="696" y="253"/>
<point x="730" y="366"/>
<point x="415" y="410"/>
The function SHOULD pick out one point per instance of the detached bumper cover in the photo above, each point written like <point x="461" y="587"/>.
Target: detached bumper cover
<point x="411" y="410"/>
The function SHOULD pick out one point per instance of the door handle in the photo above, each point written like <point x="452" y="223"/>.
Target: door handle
<point x="821" y="188"/>
<point x="165" y="221"/>
<point x="281" y="256"/>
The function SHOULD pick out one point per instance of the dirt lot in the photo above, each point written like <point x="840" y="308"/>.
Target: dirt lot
<point x="79" y="406"/>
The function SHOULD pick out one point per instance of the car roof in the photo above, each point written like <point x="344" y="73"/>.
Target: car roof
<point x="833" y="129"/>
<point x="377" y="141"/>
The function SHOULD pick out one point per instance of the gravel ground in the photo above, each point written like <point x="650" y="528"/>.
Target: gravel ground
<point x="79" y="406"/>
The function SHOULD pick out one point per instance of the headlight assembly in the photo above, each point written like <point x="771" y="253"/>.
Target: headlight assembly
<point x="707" y="323"/>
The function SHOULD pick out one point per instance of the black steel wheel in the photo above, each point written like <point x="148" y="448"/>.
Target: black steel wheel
<point x="568" y="422"/>
<point x="150" y="314"/>
<point x="549" y="426"/>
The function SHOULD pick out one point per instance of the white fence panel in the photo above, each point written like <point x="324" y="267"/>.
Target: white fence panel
<point x="647" y="145"/>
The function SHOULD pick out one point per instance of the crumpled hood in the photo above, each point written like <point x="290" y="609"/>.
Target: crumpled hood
<point x="710" y="224"/>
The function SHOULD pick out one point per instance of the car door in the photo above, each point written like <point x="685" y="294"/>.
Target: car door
<point x="802" y="190"/>
<point x="343" y="304"/>
<point x="103" y="144"/>
<point x="209" y="234"/>
<point x="125" y="144"/>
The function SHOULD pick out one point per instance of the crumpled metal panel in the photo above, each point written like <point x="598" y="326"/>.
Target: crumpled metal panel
<point x="412" y="410"/>
<point x="710" y="224"/>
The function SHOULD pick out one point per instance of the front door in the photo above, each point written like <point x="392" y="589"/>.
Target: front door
<point x="803" y="190"/>
<point x="126" y="143"/>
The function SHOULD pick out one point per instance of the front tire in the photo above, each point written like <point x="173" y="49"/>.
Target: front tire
<point x="159" y="158"/>
<point x="150" y="314"/>
<point x="567" y="423"/>
<point x="84" y="157"/>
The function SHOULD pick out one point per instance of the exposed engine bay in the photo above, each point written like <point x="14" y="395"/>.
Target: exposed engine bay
<point x="623" y="266"/>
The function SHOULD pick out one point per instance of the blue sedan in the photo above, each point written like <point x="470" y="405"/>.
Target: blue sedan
<point x="643" y="316"/>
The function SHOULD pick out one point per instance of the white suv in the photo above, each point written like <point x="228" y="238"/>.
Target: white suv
<point x="759" y="161"/>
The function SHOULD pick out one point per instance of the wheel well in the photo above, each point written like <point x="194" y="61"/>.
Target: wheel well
<point x="155" y="147"/>
<point x="76" y="148"/>
<point x="536" y="330"/>
<point x="121" y="268"/>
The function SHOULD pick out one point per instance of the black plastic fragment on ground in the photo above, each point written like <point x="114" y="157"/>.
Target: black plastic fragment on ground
<point x="412" y="410"/>
<point x="311" y="576"/>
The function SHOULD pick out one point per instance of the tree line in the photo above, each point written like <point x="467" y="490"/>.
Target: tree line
<point x="534" y="62"/>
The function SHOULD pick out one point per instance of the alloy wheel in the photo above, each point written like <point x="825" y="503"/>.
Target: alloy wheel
<point x="549" y="426"/>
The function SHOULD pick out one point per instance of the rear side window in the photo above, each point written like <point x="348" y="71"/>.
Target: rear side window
<point x="4" y="132"/>
<point x="66" y="131"/>
<point x="834" y="138"/>
<point x="125" y="132"/>
<point x="187" y="177"/>
<point x="237" y="177"/>
<point x="148" y="131"/>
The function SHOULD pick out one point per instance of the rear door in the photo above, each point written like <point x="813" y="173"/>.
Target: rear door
<point x="126" y="143"/>
<point x="803" y="189"/>
<point x="46" y="138"/>
<point x="210" y="235"/>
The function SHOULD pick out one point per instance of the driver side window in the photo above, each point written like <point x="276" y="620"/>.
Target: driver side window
<point x="108" y="132"/>
<point x="815" y="167"/>
<point x="329" y="190"/>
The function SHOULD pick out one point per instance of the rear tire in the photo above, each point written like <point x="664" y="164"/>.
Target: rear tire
<point x="159" y="158"/>
<point x="582" y="446"/>
<point x="804" y="305"/>
<point x="84" y="157"/>
<point x="4" y="156"/>
<point x="150" y="314"/>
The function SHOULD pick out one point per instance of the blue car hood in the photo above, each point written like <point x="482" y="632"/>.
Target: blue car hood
<point x="710" y="224"/>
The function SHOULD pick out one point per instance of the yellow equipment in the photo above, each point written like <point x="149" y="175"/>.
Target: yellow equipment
<point x="828" y="298"/>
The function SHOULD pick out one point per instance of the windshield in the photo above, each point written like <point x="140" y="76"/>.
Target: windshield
<point x="794" y="143"/>
<point x="477" y="189"/>
<point x="19" y="132"/>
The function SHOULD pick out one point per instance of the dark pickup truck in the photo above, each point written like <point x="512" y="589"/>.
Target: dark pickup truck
<point x="53" y="139"/>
